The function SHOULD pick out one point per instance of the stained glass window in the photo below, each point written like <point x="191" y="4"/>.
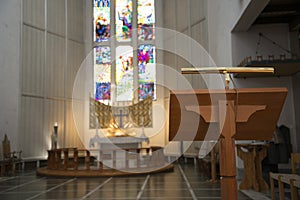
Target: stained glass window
<point x="146" y="19"/>
<point x="102" y="73"/>
<point x="123" y="20"/>
<point x="146" y="64"/>
<point x="101" y="20"/>
<point x="122" y="73"/>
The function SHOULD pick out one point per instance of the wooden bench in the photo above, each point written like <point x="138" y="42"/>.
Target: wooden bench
<point x="291" y="179"/>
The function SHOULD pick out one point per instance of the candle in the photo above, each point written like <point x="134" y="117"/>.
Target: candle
<point x="55" y="124"/>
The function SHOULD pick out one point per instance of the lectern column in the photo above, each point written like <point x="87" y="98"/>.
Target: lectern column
<point x="227" y="121"/>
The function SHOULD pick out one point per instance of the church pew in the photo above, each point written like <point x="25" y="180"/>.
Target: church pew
<point x="293" y="180"/>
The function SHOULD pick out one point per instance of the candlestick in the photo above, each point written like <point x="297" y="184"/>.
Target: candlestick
<point x="97" y="124"/>
<point x="55" y="135"/>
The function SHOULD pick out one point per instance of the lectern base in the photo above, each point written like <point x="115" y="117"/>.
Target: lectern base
<point x="228" y="188"/>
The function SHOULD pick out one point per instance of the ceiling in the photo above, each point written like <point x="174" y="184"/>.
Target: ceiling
<point x="270" y="12"/>
<point x="281" y="11"/>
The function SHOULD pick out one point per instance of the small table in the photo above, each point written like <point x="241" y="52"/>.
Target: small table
<point x="252" y="158"/>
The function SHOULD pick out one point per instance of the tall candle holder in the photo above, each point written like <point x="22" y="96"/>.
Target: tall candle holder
<point x="55" y="135"/>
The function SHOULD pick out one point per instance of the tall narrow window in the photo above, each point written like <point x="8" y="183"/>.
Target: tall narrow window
<point x="123" y="20"/>
<point x="146" y="19"/>
<point x="146" y="64"/>
<point x="101" y="20"/>
<point x="102" y="73"/>
<point x="116" y="62"/>
<point x="124" y="73"/>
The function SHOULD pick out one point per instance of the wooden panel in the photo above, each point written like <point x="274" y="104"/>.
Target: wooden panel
<point x="186" y="125"/>
<point x="56" y="16"/>
<point x="182" y="15"/>
<point x="75" y="19"/>
<point x="75" y="58"/>
<point x="72" y="137"/>
<point x="34" y="12"/>
<point x="34" y="142"/>
<point x="55" y="64"/>
<point x="54" y="112"/>
<point x="33" y="66"/>
<point x="197" y="10"/>
<point x="170" y="16"/>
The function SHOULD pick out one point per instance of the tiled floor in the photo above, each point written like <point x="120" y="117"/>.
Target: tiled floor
<point x="186" y="182"/>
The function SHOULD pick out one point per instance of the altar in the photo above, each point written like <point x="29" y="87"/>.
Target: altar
<point x="125" y="150"/>
<point x="119" y="125"/>
<point x="109" y="150"/>
<point x="111" y="143"/>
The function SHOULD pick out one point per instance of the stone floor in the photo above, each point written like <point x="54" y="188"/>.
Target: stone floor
<point x="185" y="182"/>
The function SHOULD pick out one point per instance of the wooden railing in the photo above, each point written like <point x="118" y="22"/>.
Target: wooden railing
<point x="56" y="156"/>
<point x="290" y="179"/>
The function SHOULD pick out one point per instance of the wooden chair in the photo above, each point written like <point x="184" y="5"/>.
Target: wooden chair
<point x="291" y="179"/>
<point x="10" y="158"/>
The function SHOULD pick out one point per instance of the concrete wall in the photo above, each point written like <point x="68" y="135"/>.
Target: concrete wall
<point x="10" y="25"/>
<point x="52" y="52"/>
<point x="222" y="16"/>
<point x="229" y="48"/>
<point x="296" y="91"/>
<point x="245" y="44"/>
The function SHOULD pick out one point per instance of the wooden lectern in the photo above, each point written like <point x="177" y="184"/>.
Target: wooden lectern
<point x="228" y="115"/>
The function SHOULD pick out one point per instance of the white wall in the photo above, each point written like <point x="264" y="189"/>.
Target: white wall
<point x="10" y="23"/>
<point x="222" y="16"/>
<point x="52" y="51"/>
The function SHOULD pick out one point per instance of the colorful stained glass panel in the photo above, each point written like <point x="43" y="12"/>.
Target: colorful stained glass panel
<point x="124" y="73"/>
<point x="101" y="20"/>
<point x="102" y="54"/>
<point x="102" y="73"/>
<point x="123" y="20"/>
<point x="146" y="19"/>
<point x="147" y="71"/>
<point x="102" y="91"/>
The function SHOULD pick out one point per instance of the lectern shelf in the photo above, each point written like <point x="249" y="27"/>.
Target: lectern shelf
<point x="266" y="102"/>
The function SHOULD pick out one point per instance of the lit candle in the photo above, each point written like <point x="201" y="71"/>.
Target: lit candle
<point x="55" y="124"/>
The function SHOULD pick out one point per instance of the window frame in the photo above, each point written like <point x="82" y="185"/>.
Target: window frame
<point x="113" y="43"/>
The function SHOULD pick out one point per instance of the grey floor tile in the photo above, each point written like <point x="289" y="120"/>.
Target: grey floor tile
<point x="171" y="185"/>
